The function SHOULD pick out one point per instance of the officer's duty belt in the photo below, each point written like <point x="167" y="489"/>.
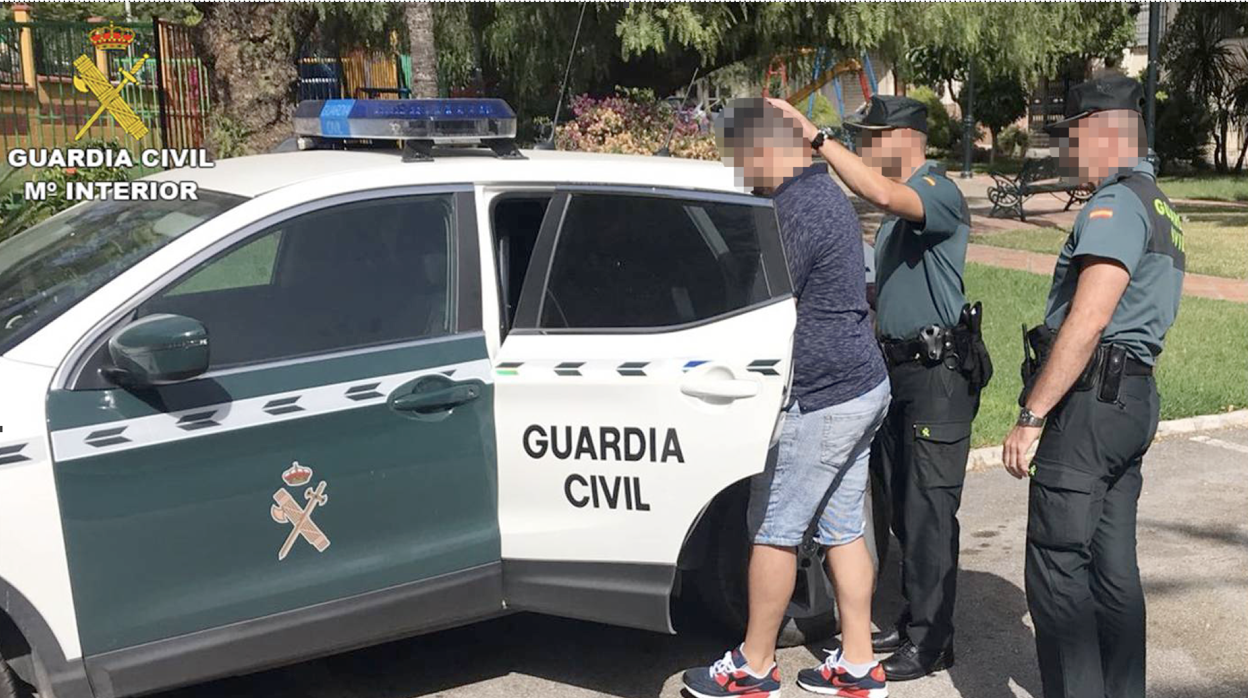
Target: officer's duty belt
<point x="928" y="351"/>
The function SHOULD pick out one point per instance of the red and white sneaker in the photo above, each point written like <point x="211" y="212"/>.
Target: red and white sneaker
<point x="832" y="679"/>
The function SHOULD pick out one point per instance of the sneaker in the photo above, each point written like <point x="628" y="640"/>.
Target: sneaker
<point x="730" y="676"/>
<point x="831" y="679"/>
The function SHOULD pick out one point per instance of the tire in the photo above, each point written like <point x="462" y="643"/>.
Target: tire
<point x="721" y="583"/>
<point x="10" y="685"/>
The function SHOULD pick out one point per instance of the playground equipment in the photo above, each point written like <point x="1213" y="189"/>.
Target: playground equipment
<point x="821" y="77"/>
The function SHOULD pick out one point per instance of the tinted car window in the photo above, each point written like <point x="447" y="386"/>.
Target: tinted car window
<point x="636" y="261"/>
<point x="355" y="275"/>
<point x="48" y="268"/>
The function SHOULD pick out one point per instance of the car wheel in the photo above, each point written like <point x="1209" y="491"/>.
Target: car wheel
<point x="10" y="685"/>
<point x="721" y="583"/>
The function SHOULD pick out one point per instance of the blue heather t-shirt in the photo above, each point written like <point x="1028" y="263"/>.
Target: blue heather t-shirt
<point x="835" y="355"/>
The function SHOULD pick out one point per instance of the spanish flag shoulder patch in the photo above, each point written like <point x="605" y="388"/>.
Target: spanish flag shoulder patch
<point x="1101" y="213"/>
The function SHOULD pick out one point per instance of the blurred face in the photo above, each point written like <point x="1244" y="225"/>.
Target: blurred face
<point x="766" y="148"/>
<point x="892" y="151"/>
<point x="1098" y="144"/>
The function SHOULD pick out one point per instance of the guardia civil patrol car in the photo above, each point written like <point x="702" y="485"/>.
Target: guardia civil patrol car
<point x="347" y="395"/>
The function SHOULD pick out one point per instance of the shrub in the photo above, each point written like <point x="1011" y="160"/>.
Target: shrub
<point x="942" y="131"/>
<point x="1183" y="129"/>
<point x="824" y="114"/>
<point x="17" y="213"/>
<point x="633" y="122"/>
<point x="1013" y="141"/>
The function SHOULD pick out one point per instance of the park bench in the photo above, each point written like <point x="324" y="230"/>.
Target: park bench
<point x="1038" y="176"/>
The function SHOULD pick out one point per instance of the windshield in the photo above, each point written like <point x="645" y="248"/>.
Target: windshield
<point x="51" y="266"/>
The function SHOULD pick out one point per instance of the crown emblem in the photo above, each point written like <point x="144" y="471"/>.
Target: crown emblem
<point x="297" y="475"/>
<point x="111" y="37"/>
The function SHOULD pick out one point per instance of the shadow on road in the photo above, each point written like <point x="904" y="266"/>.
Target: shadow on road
<point x="994" y="646"/>
<point x="610" y="660"/>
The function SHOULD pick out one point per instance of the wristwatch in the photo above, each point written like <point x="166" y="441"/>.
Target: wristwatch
<point x="817" y="142"/>
<point x="1027" y="418"/>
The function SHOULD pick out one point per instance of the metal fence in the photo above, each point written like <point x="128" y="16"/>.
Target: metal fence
<point x="45" y="100"/>
<point x="358" y="74"/>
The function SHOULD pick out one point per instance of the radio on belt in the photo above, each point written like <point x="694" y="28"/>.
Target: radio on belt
<point x="418" y="124"/>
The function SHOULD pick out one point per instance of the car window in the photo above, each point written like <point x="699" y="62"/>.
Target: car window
<point x="356" y="275"/>
<point x="629" y="261"/>
<point x="517" y="220"/>
<point x="48" y="268"/>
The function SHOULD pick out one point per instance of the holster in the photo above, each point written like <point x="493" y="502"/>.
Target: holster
<point x="960" y="348"/>
<point x="1105" y="369"/>
<point x="968" y="339"/>
<point x="1037" y="344"/>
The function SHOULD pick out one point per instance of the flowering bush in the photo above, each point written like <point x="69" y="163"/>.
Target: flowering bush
<point x="17" y="214"/>
<point x="634" y="122"/>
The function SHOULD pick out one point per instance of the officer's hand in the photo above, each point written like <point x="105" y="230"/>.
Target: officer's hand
<point x="809" y="131"/>
<point x="1016" y="448"/>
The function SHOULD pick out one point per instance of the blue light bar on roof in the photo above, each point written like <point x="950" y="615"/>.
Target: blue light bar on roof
<point x="438" y="120"/>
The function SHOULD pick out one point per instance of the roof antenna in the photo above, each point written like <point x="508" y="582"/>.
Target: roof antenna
<point x="665" y="151"/>
<point x="549" y="143"/>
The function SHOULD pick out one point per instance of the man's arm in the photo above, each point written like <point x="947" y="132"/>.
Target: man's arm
<point x="1101" y="284"/>
<point x="893" y="197"/>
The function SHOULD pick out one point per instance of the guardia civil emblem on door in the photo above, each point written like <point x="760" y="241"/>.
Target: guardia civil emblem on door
<point x="289" y="511"/>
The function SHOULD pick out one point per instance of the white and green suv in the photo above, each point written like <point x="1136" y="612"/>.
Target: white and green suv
<point x="343" y="398"/>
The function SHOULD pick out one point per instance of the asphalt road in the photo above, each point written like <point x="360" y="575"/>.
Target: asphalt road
<point x="1193" y="530"/>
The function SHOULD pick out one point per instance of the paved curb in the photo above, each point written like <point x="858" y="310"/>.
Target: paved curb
<point x="990" y="456"/>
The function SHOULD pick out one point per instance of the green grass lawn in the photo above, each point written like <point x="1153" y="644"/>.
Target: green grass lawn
<point x="1217" y="240"/>
<point x="1216" y="187"/>
<point x="1202" y="371"/>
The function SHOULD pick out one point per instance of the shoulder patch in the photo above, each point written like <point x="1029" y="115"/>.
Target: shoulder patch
<point x="930" y="181"/>
<point x="1101" y="213"/>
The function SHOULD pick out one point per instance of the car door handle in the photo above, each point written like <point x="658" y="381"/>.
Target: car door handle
<point x="436" y="400"/>
<point x="720" y="388"/>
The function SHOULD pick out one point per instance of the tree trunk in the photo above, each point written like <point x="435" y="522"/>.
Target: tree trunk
<point x="1243" y="150"/>
<point x="1219" y="155"/>
<point x="250" y="57"/>
<point x="992" y="152"/>
<point x="418" y="16"/>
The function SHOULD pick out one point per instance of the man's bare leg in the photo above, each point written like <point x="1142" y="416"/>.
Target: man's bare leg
<point x="852" y="574"/>
<point x="773" y="574"/>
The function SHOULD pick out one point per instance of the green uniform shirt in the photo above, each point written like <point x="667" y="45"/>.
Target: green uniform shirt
<point x="918" y="266"/>
<point x="1130" y="221"/>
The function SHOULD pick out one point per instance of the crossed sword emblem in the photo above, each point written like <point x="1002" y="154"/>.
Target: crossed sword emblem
<point x="89" y="78"/>
<point x="287" y="510"/>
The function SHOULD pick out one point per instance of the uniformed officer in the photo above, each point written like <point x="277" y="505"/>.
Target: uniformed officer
<point x="937" y="365"/>
<point x="1091" y="400"/>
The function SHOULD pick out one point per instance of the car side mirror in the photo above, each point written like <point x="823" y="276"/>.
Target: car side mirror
<point x="157" y="350"/>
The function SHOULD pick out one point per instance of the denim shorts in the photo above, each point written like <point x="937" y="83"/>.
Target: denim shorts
<point x="822" y="456"/>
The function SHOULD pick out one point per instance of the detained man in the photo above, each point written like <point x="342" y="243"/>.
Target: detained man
<point x="839" y="397"/>
<point x="937" y="364"/>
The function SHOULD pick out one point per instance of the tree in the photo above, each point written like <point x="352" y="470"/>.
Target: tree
<point x="183" y="12"/>
<point x="251" y="51"/>
<point x="418" y="18"/>
<point x="1200" y="65"/>
<point x="1239" y="104"/>
<point x="999" y="102"/>
<point x="522" y="49"/>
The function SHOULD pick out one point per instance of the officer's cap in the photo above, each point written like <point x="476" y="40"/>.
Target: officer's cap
<point x="1103" y="94"/>
<point x="887" y="112"/>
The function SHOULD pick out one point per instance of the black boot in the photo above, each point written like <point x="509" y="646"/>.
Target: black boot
<point x="888" y="639"/>
<point x="909" y="663"/>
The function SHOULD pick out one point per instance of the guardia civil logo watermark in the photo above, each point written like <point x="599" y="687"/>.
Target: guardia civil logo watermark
<point x="91" y="77"/>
